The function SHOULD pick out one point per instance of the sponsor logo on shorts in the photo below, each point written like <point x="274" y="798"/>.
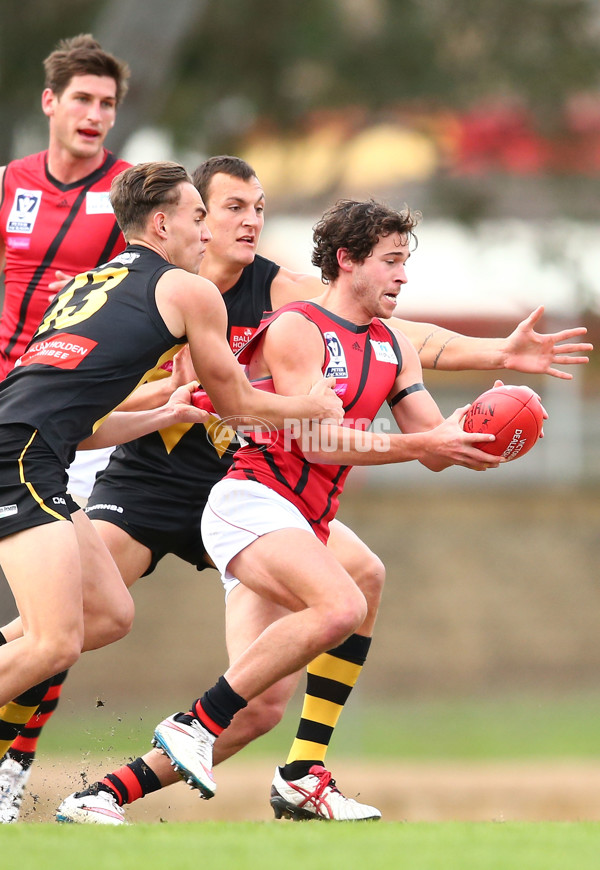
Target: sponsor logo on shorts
<point x="104" y="507"/>
<point x="8" y="510"/>
<point x="57" y="499"/>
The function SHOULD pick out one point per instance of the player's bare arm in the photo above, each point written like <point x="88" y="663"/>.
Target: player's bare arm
<point x="415" y="411"/>
<point x="524" y="350"/>
<point x="193" y="306"/>
<point x="292" y="353"/>
<point x="288" y="286"/>
<point x="122" y="426"/>
<point x="157" y="392"/>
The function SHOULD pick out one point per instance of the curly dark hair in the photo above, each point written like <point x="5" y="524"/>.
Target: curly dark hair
<point x="358" y="227"/>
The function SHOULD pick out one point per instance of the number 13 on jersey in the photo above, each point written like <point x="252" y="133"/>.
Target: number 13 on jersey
<point x="85" y="295"/>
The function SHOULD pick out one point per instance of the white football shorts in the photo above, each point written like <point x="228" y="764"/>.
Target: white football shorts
<point x="237" y="513"/>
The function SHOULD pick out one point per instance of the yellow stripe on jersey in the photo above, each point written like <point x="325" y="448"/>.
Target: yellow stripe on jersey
<point x="39" y="500"/>
<point x="154" y="374"/>
<point x="219" y="434"/>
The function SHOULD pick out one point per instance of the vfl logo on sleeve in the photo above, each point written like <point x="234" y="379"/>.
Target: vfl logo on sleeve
<point x="24" y="211"/>
<point x="240" y="336"/>
<point x="336" y="367"/>
<point x="64" y="351"/>
<point x="384" y="352"/>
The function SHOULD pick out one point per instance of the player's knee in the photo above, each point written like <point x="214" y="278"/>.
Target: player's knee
<point x="122" y="617"/>
<point x="345" y="618"/>
<point x="111" y="624"/>
<point x="371" y="579"/>
<point x="60" y="652"/>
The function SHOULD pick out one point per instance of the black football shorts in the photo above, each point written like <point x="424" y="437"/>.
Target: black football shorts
<point x="33" y="481"/>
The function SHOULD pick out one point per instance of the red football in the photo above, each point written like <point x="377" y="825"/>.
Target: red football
<point x="513" y="414"/>
<point x="201" y="400"/>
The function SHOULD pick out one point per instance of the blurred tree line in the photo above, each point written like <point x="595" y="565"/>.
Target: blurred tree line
<point x="211" y="70"/>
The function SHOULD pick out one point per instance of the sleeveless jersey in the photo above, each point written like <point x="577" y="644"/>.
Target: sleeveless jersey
<point x="185" y="458"/>
<point x="99" y="339"/>
<point x="47" y="225"/>
<point x="365" y="360"/>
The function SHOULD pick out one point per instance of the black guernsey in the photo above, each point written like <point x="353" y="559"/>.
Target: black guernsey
<point x="100" y="338"/>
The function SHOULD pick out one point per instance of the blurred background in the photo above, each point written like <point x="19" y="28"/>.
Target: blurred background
<point x="484" y="116"/>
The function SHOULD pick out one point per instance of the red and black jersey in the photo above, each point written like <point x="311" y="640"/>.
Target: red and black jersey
<point x="101" y="337"/>
<point x="365" y="360"/>
<point x="47" y="225"/>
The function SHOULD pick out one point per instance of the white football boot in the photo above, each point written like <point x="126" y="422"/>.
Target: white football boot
<point x="190" y="749"/>
<point x="316" y="796"/>
<point x="91" y="807"/>
<point x="13" y="779"/>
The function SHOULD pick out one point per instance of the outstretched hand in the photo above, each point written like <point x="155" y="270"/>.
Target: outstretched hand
<point x="529" y="351"/>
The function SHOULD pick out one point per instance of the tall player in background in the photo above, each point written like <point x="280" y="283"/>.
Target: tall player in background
<point x="55" y="215"/>
<point x="160" y="482"/>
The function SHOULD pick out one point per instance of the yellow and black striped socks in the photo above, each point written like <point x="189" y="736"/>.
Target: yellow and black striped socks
<point x="26" y="715"/>
<point x="24" y="746"/>
<point x="330" y="679"/>
<point x="15" y="715"/>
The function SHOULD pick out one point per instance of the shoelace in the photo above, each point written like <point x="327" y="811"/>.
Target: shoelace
<point x="316" y="797"/>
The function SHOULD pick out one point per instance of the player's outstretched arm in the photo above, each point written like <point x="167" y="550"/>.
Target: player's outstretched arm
<point x="292" y="353"/>
<point x="524" y="350"/>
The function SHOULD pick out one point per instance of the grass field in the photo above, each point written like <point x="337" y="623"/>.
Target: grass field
<point x="460" y="761"/>
<point x="269" y="846"/>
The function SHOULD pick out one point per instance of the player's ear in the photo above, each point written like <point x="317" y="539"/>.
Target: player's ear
<point x="159" y="223"/>
<point x="344" y="261"/>
<point x="47" y="101"/>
